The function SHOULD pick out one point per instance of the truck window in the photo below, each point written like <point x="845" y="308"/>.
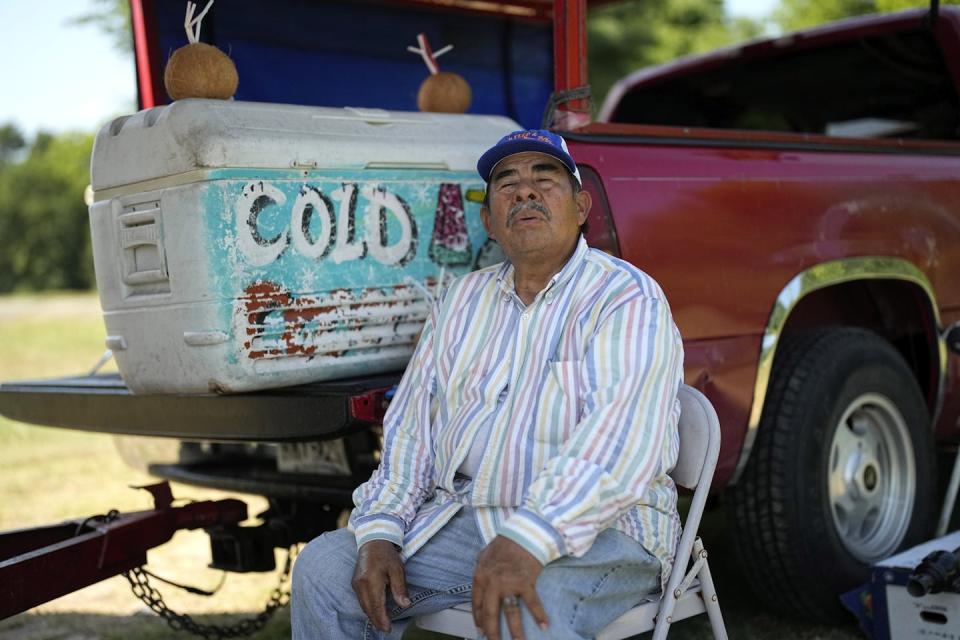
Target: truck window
<point x="889" y="85"/>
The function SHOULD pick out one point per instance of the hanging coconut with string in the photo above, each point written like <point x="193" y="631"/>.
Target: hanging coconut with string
<point x="199" y="70"/>
<point x="442" y="91"/>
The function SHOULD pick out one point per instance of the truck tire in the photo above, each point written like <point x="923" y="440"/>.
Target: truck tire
<point x="841" y="475"/>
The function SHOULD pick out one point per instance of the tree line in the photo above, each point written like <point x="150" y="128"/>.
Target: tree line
<point x="44" y="233"/>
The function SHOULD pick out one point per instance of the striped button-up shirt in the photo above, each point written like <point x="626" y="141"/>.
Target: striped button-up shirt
<point x="581" y="441"/>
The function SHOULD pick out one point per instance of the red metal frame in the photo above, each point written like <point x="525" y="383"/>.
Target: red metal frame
<point x="369" y="407"/>
<point x="43" y="563"/>
<point x="151" y="91"/>
<point x="570" y="48"/>
<point x="528" y="10"/>
<point x="569" y="44"/>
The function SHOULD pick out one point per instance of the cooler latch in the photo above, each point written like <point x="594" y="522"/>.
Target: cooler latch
<point x="143" y="259"/>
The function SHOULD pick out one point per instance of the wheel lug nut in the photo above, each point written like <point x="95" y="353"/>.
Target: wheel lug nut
<point x="870" y="477"/>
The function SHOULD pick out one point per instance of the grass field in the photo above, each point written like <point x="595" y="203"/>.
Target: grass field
<point x="50" y="474"/>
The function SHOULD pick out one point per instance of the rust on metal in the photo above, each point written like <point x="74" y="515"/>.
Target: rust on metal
<point x="334" y="324"/>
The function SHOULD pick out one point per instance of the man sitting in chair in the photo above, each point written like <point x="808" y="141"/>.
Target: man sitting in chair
<point x="526" y="451"/>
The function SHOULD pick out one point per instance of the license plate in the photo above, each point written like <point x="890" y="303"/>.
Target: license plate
<point x="328" y="457"/>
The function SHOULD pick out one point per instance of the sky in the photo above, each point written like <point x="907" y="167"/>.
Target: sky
<point x="751" y="8"/>
<point x="59" y="77"/>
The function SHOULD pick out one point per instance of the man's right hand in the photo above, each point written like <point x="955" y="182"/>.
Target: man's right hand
<point x="379" y="566"/>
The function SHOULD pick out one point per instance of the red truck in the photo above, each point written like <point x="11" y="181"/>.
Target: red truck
<point x="796" y="197"/>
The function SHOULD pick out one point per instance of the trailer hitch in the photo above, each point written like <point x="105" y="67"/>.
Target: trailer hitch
<point x="40" y="564"/>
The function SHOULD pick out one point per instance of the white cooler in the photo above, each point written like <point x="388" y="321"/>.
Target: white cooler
<point x="242" y="246"/>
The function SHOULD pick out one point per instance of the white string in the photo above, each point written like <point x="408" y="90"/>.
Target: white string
<point x="191" y="24"/>
<point x="419" y="286"/>
<point x="104" y="359"/>
<point x="429" y="57"/>
<point x="438" y="286"/>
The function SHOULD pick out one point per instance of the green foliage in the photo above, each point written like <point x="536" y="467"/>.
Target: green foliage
<point x="627" y="36"/>
<point x="900" y="5"/>
<point x="11" y="141"/>
<point x="44" y="234"/>
<point x="112" y="17"/>
<point x="801" y="14"/>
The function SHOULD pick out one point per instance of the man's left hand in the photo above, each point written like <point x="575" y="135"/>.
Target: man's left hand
<point x="505" y="577"/>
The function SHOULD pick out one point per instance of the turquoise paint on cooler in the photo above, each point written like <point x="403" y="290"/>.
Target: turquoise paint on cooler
<point x="279" y="240"/>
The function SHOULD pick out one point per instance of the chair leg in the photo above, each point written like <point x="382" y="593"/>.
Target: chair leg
<point x="710" y="600"/>
<point x="664" y="616"/>
<point x="662" y="627"/>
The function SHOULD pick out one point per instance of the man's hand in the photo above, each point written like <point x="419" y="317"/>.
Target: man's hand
<point x="505" y="570"/>
<point x="379" y="566"/>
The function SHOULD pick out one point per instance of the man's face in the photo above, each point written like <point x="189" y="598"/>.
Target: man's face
<point x="533" y="213"/>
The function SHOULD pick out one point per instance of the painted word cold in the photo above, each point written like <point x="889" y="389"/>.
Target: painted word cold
<point x="335" y="239"/>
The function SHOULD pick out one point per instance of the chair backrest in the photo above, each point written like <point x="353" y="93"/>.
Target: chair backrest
<point x="697" y="421"/>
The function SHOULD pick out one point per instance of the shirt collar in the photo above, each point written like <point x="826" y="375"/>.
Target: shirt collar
<point x="505" y="275"/>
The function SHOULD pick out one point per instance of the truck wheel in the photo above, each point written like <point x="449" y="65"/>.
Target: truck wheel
<point x="841" y="474"/>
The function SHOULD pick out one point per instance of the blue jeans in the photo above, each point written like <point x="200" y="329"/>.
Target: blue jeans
<point x="581" y="595"/>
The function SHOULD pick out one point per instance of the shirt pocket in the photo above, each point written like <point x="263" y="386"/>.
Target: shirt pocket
<point x="561" y="401"/>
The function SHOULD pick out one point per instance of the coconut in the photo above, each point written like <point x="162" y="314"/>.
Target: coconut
<point x="199" y="70"/>
<point x="444" y="92"/>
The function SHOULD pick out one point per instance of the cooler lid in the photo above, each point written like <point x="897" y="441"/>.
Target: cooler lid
<point x="199" y="134"/>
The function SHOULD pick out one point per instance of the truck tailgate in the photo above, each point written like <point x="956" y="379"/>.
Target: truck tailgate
<point x="104" y="403"/>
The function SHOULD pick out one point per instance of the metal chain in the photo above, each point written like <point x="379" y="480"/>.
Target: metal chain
<point x="280" y="597"/>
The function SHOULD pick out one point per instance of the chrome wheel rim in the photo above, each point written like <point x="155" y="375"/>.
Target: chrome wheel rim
<point x="872" y="478"/>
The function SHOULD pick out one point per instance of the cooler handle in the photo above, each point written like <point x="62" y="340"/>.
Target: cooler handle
<point x="143" y="256"/>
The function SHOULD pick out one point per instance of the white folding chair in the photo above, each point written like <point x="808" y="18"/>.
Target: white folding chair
<point x="688" y="593"/>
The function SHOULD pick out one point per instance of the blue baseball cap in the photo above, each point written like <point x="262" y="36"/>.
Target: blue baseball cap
<point x="539" y="140"/>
